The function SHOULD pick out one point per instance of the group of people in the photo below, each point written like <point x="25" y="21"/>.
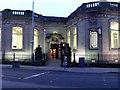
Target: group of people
<point x="65" y="56"/>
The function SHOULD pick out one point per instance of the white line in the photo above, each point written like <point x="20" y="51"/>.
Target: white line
<point x="105" y="82"/>
<point x="36" y="75"/>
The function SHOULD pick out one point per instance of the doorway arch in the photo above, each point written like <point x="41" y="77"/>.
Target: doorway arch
<point x="54" y="40"/>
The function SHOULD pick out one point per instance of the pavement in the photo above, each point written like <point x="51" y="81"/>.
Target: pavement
<point x="70" y="69"/>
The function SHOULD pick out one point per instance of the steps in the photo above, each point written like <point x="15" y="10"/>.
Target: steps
<point x="53" y="62"/>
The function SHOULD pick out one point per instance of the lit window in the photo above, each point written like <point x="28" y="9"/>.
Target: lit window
<point x="115" y="35"/>
<point x="93" y="5"/>
<point x="93" y="40"/>
<point x="75" y="38"/>
<point x="35" y="38"/>
<point x="68" y="37"/>
<point x="17" y="37"/>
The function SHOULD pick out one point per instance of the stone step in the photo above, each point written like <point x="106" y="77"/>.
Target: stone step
<point x="53" y="62"/>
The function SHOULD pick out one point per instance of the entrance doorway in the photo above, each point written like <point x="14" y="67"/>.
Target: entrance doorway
<point x="54" y="51"/>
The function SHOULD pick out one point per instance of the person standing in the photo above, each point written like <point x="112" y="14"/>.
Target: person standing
<point x="38" y="54"/>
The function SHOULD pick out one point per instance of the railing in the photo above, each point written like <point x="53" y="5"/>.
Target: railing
<point x="27" y="13"/>
<point x="19" y="57"/>
<point x="82" y="8"/>
<point x="98" y="58"/>
<point x="89" y="58"/>
<point x="95" y="6"/>
<point x="92" y="5"/>
<point x="101" y="5"/>
<point x="18" y="13"/>
<point x="23" y="58"/>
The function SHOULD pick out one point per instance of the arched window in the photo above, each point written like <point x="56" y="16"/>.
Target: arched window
<point x="35" y="38"/>
<point x="74" y="38"/>
<point x="115" y="34"/>
<point x="68" y="37"/>
<point x="17" y="37"/>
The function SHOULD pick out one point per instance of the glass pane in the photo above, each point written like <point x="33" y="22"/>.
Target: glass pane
<point x="17" y="30"/>
<point x="35" y="32"/>
<point x="75" y="30"/>
<point x="35" y="42"/>
<point x="74" y="38"/>
<point x="68" y="33"/>
<point x="114" y="26"/>
<point x="17" y="38"/>
<point x="35" y="38"/>
<point x="93" y="40"/>
<point x="115" y="34"/>
<point x="115" y="38"/>
<point x="68" y="37"/>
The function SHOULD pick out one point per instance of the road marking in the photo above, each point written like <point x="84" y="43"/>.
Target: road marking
<point x="51" y="81"/>
<point x="36" y="75"/>
<point x="105" y="81"/>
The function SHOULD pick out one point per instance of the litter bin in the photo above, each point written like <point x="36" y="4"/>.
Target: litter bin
<point x="81" y="62"/>
<point x="15" y="64"/>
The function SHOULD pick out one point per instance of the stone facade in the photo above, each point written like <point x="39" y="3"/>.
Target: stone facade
<point x="89" y="17"/>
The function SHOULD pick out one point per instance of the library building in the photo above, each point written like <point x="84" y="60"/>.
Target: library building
<point x="91" y="32"/>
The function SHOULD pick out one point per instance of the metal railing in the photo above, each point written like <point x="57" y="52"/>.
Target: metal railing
<point x="89" y="58"/>
<point x="23" y="58"/>
<point x="99" y="58"/>
<point x="19" y="57"/>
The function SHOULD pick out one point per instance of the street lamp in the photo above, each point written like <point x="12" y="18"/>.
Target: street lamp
<point x="44" y="40"/>
<point x="32" y="35"/>
<point x="99" y="31"/>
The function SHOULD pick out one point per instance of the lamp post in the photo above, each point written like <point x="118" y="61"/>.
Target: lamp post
<point x="44" y="40"/>
<point x="100" y="33"/>
<point x="32" y="35"/>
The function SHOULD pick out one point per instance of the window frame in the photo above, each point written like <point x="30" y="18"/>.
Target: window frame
<point x="75" y="47"/>
<point x="93" y="30"/>
<point x="22" y="36"/>
<point x="112" y="31"/>
<point x="36" y="35"/>
<point x="68" y="37"/>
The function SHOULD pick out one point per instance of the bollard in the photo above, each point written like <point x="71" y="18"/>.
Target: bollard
<point x="81" y="62"/>
<point x="15" y="62"/>
<point x="74" y="62"/>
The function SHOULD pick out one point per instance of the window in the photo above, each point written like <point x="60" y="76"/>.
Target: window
<point x="93" y="40"/>
<point x="115" y="34"/>
<point x="17" y="37"/>
<point x="35" y="38"/>
<point x="74" y="38"/>
<point x="68" y="37"/>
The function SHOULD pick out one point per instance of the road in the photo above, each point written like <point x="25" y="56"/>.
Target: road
<point x="24" y="78"/>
